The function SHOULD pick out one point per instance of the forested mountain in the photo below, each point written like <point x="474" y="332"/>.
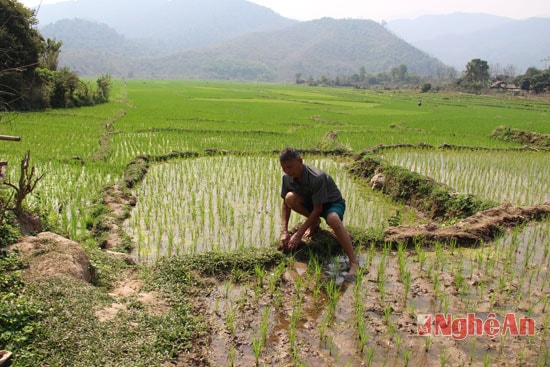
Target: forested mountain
<point x="79" y="34"/>
<point x="458" y="38"/>
<point x="240" y="39"/>
<point x="434" y="26"/>
<point x="170" y="24"/>
<point x="321" y="47"/>
<point x="325" y="47"/>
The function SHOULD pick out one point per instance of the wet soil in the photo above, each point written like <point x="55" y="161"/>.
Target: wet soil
<point x="304" y="313"/>
<point x="295" y="315"/>
<point x="481" y="227"/>
<point x="299" y="322"/>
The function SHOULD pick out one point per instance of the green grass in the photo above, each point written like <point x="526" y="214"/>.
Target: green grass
<point x="82" y="150"/>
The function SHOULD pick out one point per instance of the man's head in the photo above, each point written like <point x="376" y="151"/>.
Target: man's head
<point x="291" y="162"/>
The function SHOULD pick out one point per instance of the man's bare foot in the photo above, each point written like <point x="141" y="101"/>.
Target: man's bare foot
<point x="309" y="232"/>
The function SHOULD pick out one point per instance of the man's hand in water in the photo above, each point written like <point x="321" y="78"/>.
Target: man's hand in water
<point x="284" y="242"/>
<point x="295" y="240"/>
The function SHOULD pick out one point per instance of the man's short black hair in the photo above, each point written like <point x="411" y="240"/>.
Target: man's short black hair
<point x="288" y="154"/>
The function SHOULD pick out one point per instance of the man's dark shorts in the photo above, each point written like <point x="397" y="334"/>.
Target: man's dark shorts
<point x="338" y="207"/>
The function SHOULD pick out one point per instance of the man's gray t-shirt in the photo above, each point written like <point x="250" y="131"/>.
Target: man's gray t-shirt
<point x="316" y="187"/>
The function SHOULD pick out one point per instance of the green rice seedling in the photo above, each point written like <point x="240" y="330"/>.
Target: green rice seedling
<point x="427" y="343"/>
<point x="317" y="280"/>
<point x="259" y="271"/>
<point x="359" y="310"/>
<point x="402" y="261"/>
<point x="264" y="325"/>
<point x="459" y="281"/>
<point x="443" y="358"/>
<point x="417" y="249"/>
<point x="545" y="300"/>
<point x="363" y="335"/>
<point x="370" y="356"/>
<point x="391" y="331"/>
<point x="278" y="298"/>
<point x="406" y="357"/>
<point x="398" y="341"/>
<point x="257" y="345"/>
<point x="521" y="356"/>
<point x="380" y="277"/>
<point x="237" y="274"/>
<point x="298" y="285"/>
<point x="333" y="295"/>
<point x="472" y="349"/>
<point x="422" y="259"/>
<point x="436" y="284"/>
<point x="232" y="353"/>
<point x="439" y="256"/>
<point x="227" y="287"/>
<point x="387" y="314"/>
<point x="407" y="287"/>
<point x="446" y="302"/>
<point x="230" y="319"/>
<point x="276" y="276"/>
<point x="294" y="318"/>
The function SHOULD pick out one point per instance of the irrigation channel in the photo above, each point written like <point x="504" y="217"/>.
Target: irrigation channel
<point x="301" y="313"/>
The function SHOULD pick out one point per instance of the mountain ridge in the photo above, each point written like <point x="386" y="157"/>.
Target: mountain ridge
<point x="133" y="36"/>
<point x="458" y="38"/>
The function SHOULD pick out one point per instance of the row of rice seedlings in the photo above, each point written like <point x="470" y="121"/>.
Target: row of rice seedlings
<point x="224" y="203"/>
<point x="506" y="276"/>
<point x="520" y="178"/>
<point x="65" y="193"/>
<point x="128" y="145"/>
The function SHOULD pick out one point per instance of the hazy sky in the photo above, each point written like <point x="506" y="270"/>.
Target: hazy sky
<point x="390" y="9"/>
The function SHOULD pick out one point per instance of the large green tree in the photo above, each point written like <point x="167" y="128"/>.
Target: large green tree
<point x="477" y="70"/>
<point x="50" y="57"/>
<point x="21" y="46"/>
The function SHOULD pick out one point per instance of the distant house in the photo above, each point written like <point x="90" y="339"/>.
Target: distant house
<point x="501" y="84"/>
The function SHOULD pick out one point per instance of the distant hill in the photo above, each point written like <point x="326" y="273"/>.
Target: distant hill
<point x="326" y="47"/>
<point x="458" y="38"/>
<point x="80" y="34"/>
<point x="321" y="47"/>
<point x="237" y="38"/>
<point x="428" y="27"/>
<point x="170" y="24"/>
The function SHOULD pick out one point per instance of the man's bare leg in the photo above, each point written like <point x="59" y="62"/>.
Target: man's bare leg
<point x="296" y="203"/>
<point x="344" y="239"/>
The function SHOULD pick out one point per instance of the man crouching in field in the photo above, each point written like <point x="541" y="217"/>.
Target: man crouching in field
<point x="313" y="194"/>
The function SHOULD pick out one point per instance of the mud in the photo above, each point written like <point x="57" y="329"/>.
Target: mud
<point x="303" y="329"/>
<point x="49" y="254"/>
<point x="481" y="227"/>
<point x="301" y="314"/>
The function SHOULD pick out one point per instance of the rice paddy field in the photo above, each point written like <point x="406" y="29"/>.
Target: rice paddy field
<point x="226" y="198"/>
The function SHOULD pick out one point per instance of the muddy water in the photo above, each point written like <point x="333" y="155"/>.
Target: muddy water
<point x="451" y="281"/>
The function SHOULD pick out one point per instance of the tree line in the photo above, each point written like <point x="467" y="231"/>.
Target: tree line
<point x="476" y="78"/>
<point x="30" y="78"/>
